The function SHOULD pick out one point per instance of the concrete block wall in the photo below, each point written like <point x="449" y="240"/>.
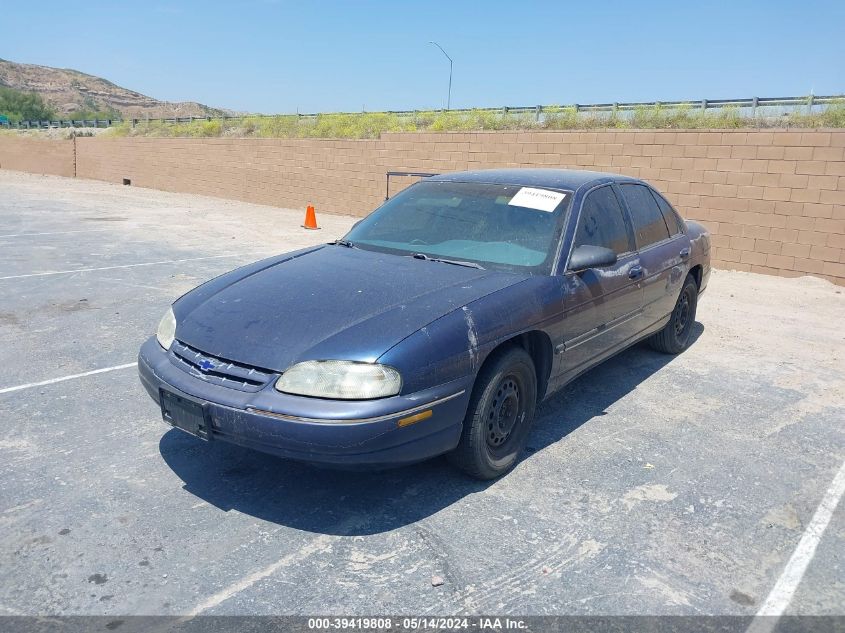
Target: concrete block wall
<point x="773" y="200"/>
<point x="37" y="156"/>
<point x="336" y="176"/>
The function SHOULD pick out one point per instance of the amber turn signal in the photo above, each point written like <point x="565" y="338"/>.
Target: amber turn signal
<point x="418" y="417"/>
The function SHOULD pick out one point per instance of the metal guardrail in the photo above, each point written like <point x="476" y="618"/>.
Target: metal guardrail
<point x="36" y="125"/>
<point x="752" y="105"/>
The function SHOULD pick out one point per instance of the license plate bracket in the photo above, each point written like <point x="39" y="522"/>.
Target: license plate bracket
<point x="184" y="414"/>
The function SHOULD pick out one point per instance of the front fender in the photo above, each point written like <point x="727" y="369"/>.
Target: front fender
<point x="700" y="250"/>
<point x="457" y="344"/>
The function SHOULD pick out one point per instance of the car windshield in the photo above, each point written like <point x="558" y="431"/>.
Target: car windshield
<point x="505" y="227"/>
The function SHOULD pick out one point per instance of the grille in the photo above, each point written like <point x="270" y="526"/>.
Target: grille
<point x="218" y="371"/>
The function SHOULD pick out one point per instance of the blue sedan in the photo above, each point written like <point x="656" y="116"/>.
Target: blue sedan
<point x="436" y="325"/>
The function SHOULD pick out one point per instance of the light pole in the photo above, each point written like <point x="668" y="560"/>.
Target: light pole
<point x="449" y="95"/>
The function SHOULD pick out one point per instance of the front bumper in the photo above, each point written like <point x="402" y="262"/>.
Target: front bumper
<point x="340" y="432"/>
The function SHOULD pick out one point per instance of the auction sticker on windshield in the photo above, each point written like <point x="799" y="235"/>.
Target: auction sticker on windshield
<point x="539" y="199"/>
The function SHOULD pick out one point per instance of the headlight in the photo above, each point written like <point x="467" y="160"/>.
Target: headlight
<point x="341" y="379"/>
<point x="167" y="329"/>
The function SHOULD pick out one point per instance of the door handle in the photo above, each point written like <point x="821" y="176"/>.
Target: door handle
<point x="684" y="253"/>
<point x="636" y="272"/>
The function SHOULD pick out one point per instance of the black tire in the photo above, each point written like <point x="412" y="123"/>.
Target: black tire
<point x="675" y="337"/>
<point x="499" y="415"/>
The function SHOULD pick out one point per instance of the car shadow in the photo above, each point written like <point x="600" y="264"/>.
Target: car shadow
<point x="338" y="502"/>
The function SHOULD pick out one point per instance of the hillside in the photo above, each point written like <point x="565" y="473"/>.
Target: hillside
<point x="69" y="91"/>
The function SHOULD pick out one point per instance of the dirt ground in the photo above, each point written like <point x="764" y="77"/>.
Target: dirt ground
<point x="652" y="485"/>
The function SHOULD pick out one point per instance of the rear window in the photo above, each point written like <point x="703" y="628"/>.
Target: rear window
<point x="649" y="225"/>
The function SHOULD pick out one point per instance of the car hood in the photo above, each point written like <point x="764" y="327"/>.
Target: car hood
<point x="330" y="303"/>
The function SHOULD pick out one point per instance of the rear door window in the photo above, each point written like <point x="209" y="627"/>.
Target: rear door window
<point x="673" y="221"/>
<point x="602" y="222"/>
<point x="649" y="225"/>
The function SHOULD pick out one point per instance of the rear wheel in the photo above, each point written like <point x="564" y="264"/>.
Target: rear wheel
<point x="499" y="415"/>
<point x="674" y="338"/>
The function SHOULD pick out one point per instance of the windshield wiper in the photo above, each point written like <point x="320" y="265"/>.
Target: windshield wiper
<point x="345" y="243"/>
<point x="454" y="262"/>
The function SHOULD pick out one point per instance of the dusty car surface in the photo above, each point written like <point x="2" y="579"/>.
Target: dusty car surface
<point x="436" y="325"/>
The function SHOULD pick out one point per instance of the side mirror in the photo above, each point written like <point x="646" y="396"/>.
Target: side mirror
<point x="587" y="256"/>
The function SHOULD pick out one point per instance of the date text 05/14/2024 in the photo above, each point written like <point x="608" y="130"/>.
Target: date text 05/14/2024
<point x="416" y="624"/>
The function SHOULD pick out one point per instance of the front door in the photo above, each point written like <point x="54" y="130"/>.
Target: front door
<point x="602" y="304"/>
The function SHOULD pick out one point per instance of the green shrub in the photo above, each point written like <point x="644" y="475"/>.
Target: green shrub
<point x="832" y="116"/>
<point x="366" y="125"/>
<point x="24" y="106"/>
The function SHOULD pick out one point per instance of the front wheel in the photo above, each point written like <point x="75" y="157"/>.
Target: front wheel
<point x="675" y="337"/>
<point x="499" y="415"/>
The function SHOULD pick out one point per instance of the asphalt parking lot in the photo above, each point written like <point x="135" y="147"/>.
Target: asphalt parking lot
<point x="653" y="484"/>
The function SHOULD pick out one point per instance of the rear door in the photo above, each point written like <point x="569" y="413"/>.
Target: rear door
<point x="663" y="253"/>
<point x="602" y="304"/>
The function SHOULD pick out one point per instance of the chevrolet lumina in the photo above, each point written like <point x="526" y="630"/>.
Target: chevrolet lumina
<point x="436" y="325"/>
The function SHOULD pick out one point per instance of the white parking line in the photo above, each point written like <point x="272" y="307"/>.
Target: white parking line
<point x="29" y="385"/>
<point x="52" y="233"/>
<point x="783" y="591"/>
<point x="123" y="282"/>
<point x="87" y="270"/>
<point x="320" y="544"/>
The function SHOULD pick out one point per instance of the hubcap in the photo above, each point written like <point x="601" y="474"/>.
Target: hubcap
<point x="503" y="412"/>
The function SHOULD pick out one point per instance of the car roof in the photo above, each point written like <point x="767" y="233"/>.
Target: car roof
<point x="553" y="178"/>
<point x="534" y="177"/>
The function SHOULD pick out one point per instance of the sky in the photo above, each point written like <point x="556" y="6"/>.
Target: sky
<point x="279" y="56"/>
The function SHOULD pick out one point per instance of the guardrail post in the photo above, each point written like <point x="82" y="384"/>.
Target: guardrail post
<point x="754" y="102"/>
<point x="703" y="104"/>
<point x="537" y="112"/>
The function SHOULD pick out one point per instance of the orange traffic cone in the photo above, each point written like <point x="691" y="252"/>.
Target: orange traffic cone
<point x="310" y="219"/>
